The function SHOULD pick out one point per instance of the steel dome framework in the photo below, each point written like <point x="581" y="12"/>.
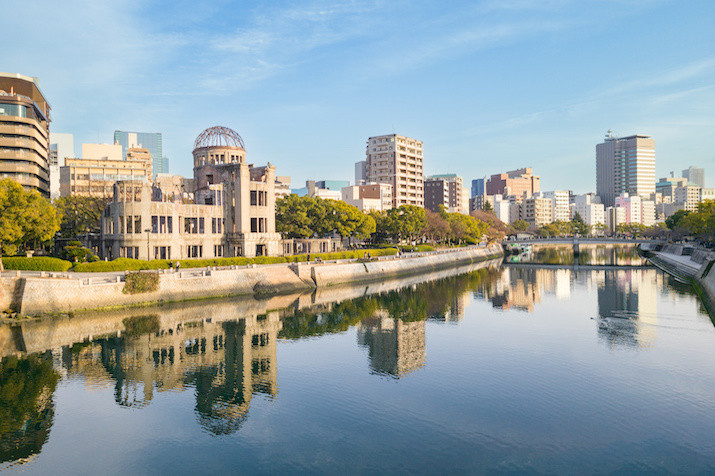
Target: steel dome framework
<point x="219" y="136"/>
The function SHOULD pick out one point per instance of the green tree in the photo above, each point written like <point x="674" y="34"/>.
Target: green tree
<point x="676" y="219"/>
<point x="487" y="207"/>
<point x="26" y="218"/>
<point x="436" y="227"/>
<point x="580" y="226"/>
<point x="292" y="216"/>
<point x="520" y="225"/>
<point x="80" y="214"/>
<point x="701" y="222"/>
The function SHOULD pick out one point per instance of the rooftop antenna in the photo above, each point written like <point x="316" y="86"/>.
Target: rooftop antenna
<point x="609" y="134"/>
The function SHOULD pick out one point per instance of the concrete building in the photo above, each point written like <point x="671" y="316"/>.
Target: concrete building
<point x="102" y="152"/>
<point x="695" y="175"/>
<point x="707" y="194"/>
<point x="368" y="197"/>
<point x="502" y="208"/>
<point x="95" y="176"/>
<point x="520" y="182"/>
<point x="537" y="211"/>
<point x="229" y="212"/>
<point x="667" y="185"/>
<point x="625" y="165"/>
<point x="360" y="172"/>
<point x="590" y="208"/>
<point x="282" y="186"/>
<point x="152" y="141"/>
<point x="560" y="199"/>
<point x="637" y="210"/>
<point x="614" y="216"/>
<point x="398" y="161"/>
<point x="24" y="132"/>
<point x="687" y="196"/>
<point x="61" y="147"/>
<point x="446" y="190"/>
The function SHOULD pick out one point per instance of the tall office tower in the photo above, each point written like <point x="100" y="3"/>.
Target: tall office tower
<point x="147" y="140"/>
<point x="24" y="132"/>
<point x="695" y="175"/>
<point x="61" y="147"/>
<point x="478" y="187"/>
<point x="519" y="183"/>
<point x="446" y="190"/>
<point x="360" y="172"/>
<point x="625" y="165"/>
<point x="397" y="160"/>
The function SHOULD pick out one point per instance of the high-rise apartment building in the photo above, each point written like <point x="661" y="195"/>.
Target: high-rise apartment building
<point x="537" y="211"/>
<point x="560" y="199"/>
<point x="61" y="148"/>
<point x="397" y="160"/>
<point x="147" y="140"/>
<point x="446" y="190"/>
<point x="625" y="165"/>
<point x="24" y="132"/>
<point x="520" y="183"/>
<point x="695" y="175"/>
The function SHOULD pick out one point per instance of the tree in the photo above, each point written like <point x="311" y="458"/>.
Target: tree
<point x="580" y="226"/>
<point x="676" y="219"/>
<point x="701" y="222"/>
<point x="80" y="214"/>
<point x="520" y="225"/>
<point x="487" y="207"/>
<point x="292" y="216"/>
<point x="436" y="227"/>
<point x="26" y="218"/>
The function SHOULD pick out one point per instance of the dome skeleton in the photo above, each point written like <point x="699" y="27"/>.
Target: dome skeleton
<point x="219" y="136"/>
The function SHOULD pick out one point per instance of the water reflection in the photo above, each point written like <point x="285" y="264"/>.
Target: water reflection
<point x="225" y="352"/>
<point x="589" y="255"/>
<point x="26" y="405"/>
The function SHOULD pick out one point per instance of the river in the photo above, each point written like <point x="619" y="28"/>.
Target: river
<point x="519" y="367"/>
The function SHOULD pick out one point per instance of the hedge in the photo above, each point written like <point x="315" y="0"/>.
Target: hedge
<point x="36" y="263"/>
<point x="127" y="264"/>
<point x="138" y="283"/>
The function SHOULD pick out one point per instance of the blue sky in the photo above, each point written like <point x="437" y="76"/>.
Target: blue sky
<point x="488" y="86"/>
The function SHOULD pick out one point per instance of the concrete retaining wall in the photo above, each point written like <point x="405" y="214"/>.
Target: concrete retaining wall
<point x="38" y="295"/>
<point x="333" y="274"/>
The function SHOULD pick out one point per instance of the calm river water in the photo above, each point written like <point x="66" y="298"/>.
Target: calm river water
<point x="489" y="368"/>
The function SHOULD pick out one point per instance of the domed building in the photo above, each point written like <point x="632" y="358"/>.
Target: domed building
<point x="227" y="209"/>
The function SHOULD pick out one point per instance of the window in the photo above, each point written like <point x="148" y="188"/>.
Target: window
<point x="254" y="225"/>
<point x="194" y="251"/>
<point x="170" y="224"/>
<point x="201" y="225"/>
<point x="191" y="225"/>
<point x="130" y="223"/>
<point x="218" y="250"/>
<point x="155" y="224"/>
<point x="254" y="197"/>
<point x="162" y="224"/>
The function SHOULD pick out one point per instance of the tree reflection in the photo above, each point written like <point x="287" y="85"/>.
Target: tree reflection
<point x="27" y="386"/>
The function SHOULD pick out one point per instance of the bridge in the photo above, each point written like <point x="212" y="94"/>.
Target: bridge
<point x="577" y="267"/>
<point x="569" y="240"/>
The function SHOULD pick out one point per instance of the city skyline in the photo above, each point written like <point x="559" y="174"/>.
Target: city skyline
<point x="315" y="79"/>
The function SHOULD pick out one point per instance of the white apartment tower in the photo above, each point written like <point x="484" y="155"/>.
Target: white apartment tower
<point x="625" y="165"/>
<point x="397" y="160"/>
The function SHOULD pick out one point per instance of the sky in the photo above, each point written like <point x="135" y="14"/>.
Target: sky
<point x="488" y="86"/>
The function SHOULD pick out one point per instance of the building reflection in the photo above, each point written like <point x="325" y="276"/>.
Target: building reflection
<point x="395" y="347"/>
<point x="628" y="307"/>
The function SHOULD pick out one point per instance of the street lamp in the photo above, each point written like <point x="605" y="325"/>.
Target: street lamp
<point x="148" y="235"/>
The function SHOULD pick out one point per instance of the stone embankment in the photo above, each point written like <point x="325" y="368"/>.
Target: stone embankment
<point x="30" y="295"/>
<point x="687" y="264"/>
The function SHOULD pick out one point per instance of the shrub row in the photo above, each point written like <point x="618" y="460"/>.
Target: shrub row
<point x="36" y="263"/>
<point x="137" y="283"/>
<point x="127" y="264"/>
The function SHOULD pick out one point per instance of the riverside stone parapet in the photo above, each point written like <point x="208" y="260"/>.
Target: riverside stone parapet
<point x="35" y="294"/>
